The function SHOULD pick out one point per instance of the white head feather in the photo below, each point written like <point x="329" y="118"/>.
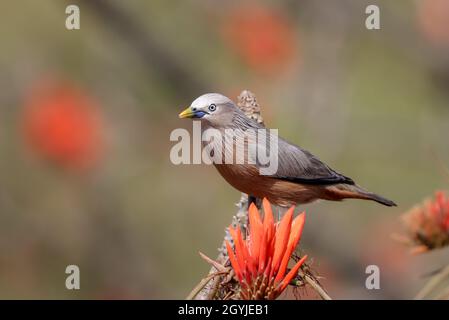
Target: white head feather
<point x="209" y="98"/>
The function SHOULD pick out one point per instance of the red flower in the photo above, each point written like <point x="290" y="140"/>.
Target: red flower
<point x="63" y="124"/>
<point x="433" y="18"/>
<point x="439" y="210"/>
<point x="261" y="36"/>
<point x="428" y="224"/>
<point x="260" y="262"/>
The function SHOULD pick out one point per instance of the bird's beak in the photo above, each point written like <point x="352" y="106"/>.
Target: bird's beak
<point x="187" y="113"/>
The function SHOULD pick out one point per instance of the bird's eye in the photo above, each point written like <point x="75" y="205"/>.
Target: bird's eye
<point x="212" y="107"/>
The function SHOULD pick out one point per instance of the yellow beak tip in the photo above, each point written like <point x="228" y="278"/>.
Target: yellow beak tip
<point x="187" y="113"/>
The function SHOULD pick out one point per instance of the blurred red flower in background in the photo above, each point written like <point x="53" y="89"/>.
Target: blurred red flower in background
<point x="428" y="224"/>
<point x="260" y="262"/>
<point x="433" y="18"/>
<point x="261" y="36"/>
<point x="63" y="124"/>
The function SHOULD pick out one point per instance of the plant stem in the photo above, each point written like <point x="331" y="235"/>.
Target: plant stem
<point x="433" y="283"/>
<point x="316" y="286"/>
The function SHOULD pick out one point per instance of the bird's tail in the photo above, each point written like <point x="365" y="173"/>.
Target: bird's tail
<point x="354" y="191"/>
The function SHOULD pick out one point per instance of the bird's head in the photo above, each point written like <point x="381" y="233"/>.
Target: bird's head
<point x="213" y="108"/>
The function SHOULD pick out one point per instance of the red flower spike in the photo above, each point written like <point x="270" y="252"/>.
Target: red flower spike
<point x="268" y="220"/>
<point x="248" y="260"/>
<point x="234" y="263"/>
<point x="263" y="253"/>
<point x="263" y="37"/>
<point x="295" y="236"/>
<point x="282" y="236"/>
<point x="293" y="272"/>
<point x="297" y="227"/>
<point x="267" y="271"/>
<point x="238" y="249"/>
<point x="267" y="208"/>
<point x="428" y="224"/>
<point x="63" y="124"/>
<point x="260" y="261"/>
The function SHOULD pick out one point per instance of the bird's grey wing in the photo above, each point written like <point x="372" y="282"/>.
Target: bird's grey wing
<point x="300" y="166"/>
<point x="294" y="163"/>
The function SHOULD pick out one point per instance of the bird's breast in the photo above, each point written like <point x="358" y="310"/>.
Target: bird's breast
<point x="243" y="177"/>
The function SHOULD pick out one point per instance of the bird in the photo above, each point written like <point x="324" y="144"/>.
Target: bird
<point x="300" y="177"/>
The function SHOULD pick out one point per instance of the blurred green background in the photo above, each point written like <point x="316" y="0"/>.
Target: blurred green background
<point x="100" y="191"/>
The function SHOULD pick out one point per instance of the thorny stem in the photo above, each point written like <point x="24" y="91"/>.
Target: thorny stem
<point x="434" y="282"/>
<point x="316" y="286"/>
<point x="203" y="283"/>
<point x="210" y="288"/>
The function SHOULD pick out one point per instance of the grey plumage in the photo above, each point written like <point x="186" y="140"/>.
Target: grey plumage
<point x="300" y="177"/>
<point x="295" y="163"/>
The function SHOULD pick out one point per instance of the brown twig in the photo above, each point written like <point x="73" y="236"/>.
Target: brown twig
<point x="317" y="287"/>
<point x="214" y="263"/>
<point x="200" y="286"/>
<point x="305" y="276"/>
<point x="433" y="283"/>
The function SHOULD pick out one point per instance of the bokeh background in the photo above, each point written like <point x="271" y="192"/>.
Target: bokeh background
<point x="85" y="119"/>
